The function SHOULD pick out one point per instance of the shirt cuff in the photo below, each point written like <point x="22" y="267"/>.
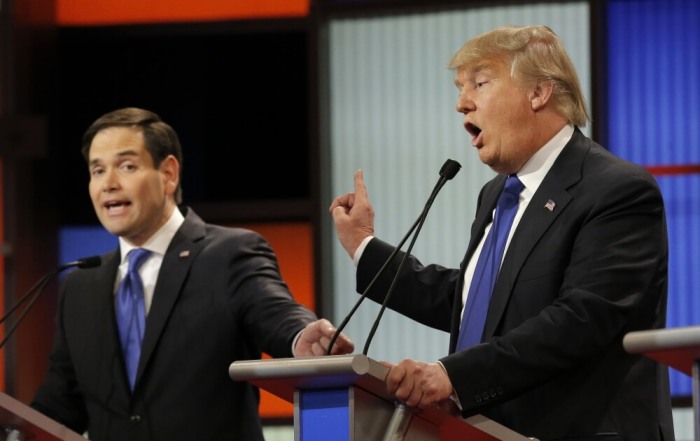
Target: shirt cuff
<point x="453" y="395"/>
<point x="294" y="342"/>
<point x="361" y="249"/>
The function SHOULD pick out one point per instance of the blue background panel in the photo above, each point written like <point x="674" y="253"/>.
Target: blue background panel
<point x="654" y="120"/>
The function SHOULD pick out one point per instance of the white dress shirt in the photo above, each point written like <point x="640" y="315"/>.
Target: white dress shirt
<point x="157" y="245"/>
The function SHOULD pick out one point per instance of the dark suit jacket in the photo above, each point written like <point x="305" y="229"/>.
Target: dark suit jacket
<point x="574" y="281"/>
<point x="219" y="298"/>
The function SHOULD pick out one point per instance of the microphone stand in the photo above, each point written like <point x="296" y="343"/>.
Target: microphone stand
<point x="448" y="170"/>
<point x="37" y="290"/>
<point x="417" y="226"/>
<point x="402" y="415"/>
<point x="34" y="291"/>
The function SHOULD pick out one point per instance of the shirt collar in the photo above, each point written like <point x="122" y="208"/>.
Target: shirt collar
<point x="159" y="242"/>
<point x="535" y="169"/>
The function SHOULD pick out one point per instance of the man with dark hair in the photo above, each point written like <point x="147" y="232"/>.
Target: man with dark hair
<point x="143" y="344"/>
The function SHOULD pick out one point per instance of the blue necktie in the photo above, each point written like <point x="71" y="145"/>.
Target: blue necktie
<point x="487" y="266"/>
<point x="131" y="312"/>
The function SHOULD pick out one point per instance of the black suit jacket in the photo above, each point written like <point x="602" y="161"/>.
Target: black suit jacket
<point x="575" y="279"/>
<point x="219" y="298"/>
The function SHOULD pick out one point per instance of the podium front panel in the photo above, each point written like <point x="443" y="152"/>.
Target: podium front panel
<point x="322" y="415"/>
<point x="351" y="414"/>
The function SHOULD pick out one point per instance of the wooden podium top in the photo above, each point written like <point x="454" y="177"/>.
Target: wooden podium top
<point x="33" y="425"/>
<point x="678" y="348"/>
<point x="282" y="376"/>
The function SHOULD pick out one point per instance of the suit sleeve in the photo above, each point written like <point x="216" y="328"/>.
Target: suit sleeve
<point x="266" y="306"/>
<point x="423" y="293"/>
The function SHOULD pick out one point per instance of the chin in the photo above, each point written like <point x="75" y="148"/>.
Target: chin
<point x="114" y="229"/>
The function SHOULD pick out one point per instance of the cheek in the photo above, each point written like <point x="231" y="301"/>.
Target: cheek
<point x="152" y="191"/>
<point x="93" y="190"/>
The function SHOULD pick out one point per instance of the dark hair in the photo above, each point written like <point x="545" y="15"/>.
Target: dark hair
<point x="161" y="140"/>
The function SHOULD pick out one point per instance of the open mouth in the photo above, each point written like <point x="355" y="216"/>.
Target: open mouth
<point x="472" y="129"/>
<point x="475" y="131"/>
<point x="116" y="206"/>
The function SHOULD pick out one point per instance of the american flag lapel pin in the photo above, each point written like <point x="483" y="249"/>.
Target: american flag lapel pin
<point x="184" y="254"/>
<point x="550" y="205"/>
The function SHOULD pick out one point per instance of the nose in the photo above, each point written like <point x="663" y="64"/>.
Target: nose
<point x="465" y="103"/>
<point x="110" y="180"/>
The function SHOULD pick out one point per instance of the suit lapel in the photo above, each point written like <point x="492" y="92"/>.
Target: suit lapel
<point x="178" y="259"/>
<point x="99" y="287"/>
<point x="484" y="215"/>
<point x="537" y="219"/>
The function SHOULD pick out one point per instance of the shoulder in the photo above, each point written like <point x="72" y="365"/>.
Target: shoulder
<point x="233" y="233"/>
<point x="196" y="229"/>
<point x="598" y="166"/>
<point x="612" y="171"/>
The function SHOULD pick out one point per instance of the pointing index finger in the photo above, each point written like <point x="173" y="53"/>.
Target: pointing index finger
<point x="360" y="189"/>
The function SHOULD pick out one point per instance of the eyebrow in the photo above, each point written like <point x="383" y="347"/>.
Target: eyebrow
<point x="122" y="154"/>
<point x="477" y="69"/>
<point x="482" y="67"/>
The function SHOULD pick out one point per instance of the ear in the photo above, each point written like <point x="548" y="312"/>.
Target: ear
<point x="170" y="170"/>
<point x="540" y="95"/>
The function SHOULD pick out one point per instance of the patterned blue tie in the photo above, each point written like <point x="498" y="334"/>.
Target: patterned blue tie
<point x="487" y="266"/>
<point x="131" y="312"/>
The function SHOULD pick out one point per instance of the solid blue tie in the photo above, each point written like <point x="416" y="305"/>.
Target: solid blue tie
<point x="131" y="312"/>
<point x="488" y="265"/>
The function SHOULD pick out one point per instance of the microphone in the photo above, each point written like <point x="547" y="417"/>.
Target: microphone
<point x="86" y="262"/>
<point x="38" y="288"/>
<point x="448" y="171"/>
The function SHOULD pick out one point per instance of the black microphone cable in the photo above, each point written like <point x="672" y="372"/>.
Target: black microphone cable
<point x="38" y="288"/>
<point x="448" y="171"/>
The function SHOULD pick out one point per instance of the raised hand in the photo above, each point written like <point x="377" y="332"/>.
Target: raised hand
<point x="353" y="216"/>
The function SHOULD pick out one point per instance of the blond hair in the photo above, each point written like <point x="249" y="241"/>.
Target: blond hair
<point x="535" y="54"/>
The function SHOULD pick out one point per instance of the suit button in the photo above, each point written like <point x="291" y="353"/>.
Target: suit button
<point x="135" y="419"/>
<point x="485" y="396"/>
<point x="492" y="393"/>
<point x="477" y="398"/>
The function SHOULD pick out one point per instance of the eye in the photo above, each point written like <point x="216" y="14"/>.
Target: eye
<point x="127" y="166"/>
<point x="97" y="171"/>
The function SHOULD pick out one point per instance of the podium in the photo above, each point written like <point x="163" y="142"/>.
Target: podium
<point x="678" y="348"/>
<point x="19" y="422"/>
<point x="344" y="397"/>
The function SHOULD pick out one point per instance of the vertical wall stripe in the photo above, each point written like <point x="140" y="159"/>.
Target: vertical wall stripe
<point x="392" y="114"/>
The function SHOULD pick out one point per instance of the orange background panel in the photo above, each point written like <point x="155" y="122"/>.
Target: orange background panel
<point x="293" y="244"/>
<point x="110" y="12"/>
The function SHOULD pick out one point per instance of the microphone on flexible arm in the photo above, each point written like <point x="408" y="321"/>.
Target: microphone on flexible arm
<point x="38" y="288"/>
<point x="448" y="171"/>
<point x="401" y="417"/>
